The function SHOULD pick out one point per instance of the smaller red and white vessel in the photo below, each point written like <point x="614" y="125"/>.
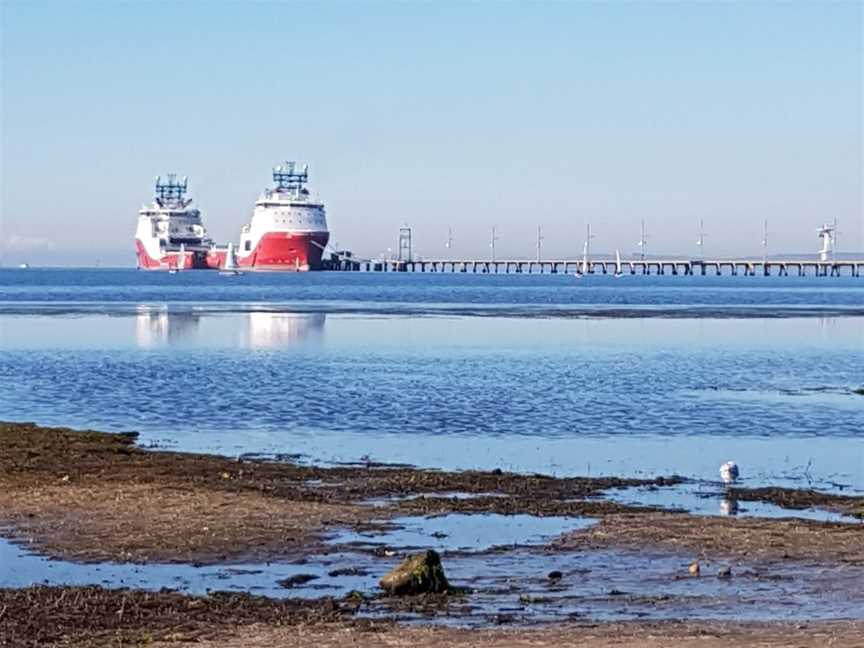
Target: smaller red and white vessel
<point x="170" y="234"/>
<point x="288" y="230"/>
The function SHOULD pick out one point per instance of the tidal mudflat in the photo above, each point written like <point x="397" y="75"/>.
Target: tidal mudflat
<point x="138" y="545"/>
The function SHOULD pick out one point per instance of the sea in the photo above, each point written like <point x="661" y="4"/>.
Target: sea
<point x="634" y="376"/>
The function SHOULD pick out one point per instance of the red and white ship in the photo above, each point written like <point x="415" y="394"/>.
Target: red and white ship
<point x="170" y="234"/>
<point x="288" y="230"/>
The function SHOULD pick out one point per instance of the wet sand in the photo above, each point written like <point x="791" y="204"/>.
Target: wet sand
<point x="91" y="616"/>
<point x="90" y="496"/>
<point x="729" y="537"/>
<point x="93" y="496"/>
<point x="612" y="635"/>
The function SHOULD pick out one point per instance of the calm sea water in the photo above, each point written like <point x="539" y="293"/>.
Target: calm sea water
<point x="632" y="376"/>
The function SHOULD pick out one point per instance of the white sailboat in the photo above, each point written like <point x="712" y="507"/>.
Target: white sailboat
<point x="179" y="260"/>
<point x="583" y="269"/>
<point x="618" y="272"/>
<point x="229" y="268"/>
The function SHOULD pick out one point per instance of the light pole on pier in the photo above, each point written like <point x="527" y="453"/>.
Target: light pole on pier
<point x="406" y="247"/>
<point x="643" y="241"/>
<point x="701" y="241"/>
<point x="539" y="241"/>
<point x="492" y="243"/>
<point x="834" y="247"/>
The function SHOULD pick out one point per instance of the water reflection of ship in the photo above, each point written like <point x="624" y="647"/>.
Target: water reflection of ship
<point x="283" y="329"/>
<point x="162" y="327"/>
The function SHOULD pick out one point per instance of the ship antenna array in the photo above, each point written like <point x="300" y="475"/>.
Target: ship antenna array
<point x="171" y="189"/>
<point x="287" y="176"/>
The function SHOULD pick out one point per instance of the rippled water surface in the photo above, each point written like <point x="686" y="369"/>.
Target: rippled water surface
<point x="680" y="375"/>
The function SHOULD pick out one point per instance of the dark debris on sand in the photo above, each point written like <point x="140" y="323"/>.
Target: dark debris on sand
<point x="40" y="616"/>
<point x="793" y="498"/>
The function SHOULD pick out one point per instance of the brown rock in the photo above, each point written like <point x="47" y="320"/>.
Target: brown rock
<point x="418" y="574"/>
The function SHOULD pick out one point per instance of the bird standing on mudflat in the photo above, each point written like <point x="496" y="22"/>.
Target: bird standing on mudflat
<point x="729" y="472"/>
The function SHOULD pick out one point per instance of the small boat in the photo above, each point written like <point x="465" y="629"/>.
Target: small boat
<point x="23" y="266"/>
<point x="618" y="272"/>
<point x="179" y="261"/>
<point x="585" y="259"/>
<point x="580" y="272"/>
<point x="229" y="268"/>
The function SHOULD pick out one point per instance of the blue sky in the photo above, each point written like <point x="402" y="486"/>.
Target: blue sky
<point x="444" y="114"/>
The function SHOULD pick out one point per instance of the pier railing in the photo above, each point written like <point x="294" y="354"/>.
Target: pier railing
<point x="602" y="266"/>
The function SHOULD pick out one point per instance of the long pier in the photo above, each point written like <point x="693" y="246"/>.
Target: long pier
<point x="602" y="266"/>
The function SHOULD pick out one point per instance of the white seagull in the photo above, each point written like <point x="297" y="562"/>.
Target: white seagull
<point x="729" y="472"/>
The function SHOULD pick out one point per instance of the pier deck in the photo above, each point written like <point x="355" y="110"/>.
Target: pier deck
<point x="603" y="266"/>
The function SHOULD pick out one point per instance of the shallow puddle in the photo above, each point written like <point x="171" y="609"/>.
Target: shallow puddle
<point x="463" y="532"/>
<point x="616" y="585"/>
<point x="379" y="502"/>
<point x="511" y="587"/>
<point x="712" y="499"/>
<point x="19" y="568"/>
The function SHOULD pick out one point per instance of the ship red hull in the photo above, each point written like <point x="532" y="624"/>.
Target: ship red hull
<point x="286" y="251"/>
<point x="193" y="260"/>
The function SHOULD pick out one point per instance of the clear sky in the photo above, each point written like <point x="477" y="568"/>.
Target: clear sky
<point x="438" y="114"/>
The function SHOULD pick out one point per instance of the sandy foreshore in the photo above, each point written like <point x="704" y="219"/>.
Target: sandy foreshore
<point x="93" y="497"/>
<point x="91" y="616"/>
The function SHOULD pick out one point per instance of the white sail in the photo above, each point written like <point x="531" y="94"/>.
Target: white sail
<point x="230" y="261"/>
<point x="585" y="259"/>
<point x="617" y="262"/>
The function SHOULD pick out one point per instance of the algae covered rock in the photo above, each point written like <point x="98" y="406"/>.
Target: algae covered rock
<point x="418" y="574"/>
<point x="856" y="510"/>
